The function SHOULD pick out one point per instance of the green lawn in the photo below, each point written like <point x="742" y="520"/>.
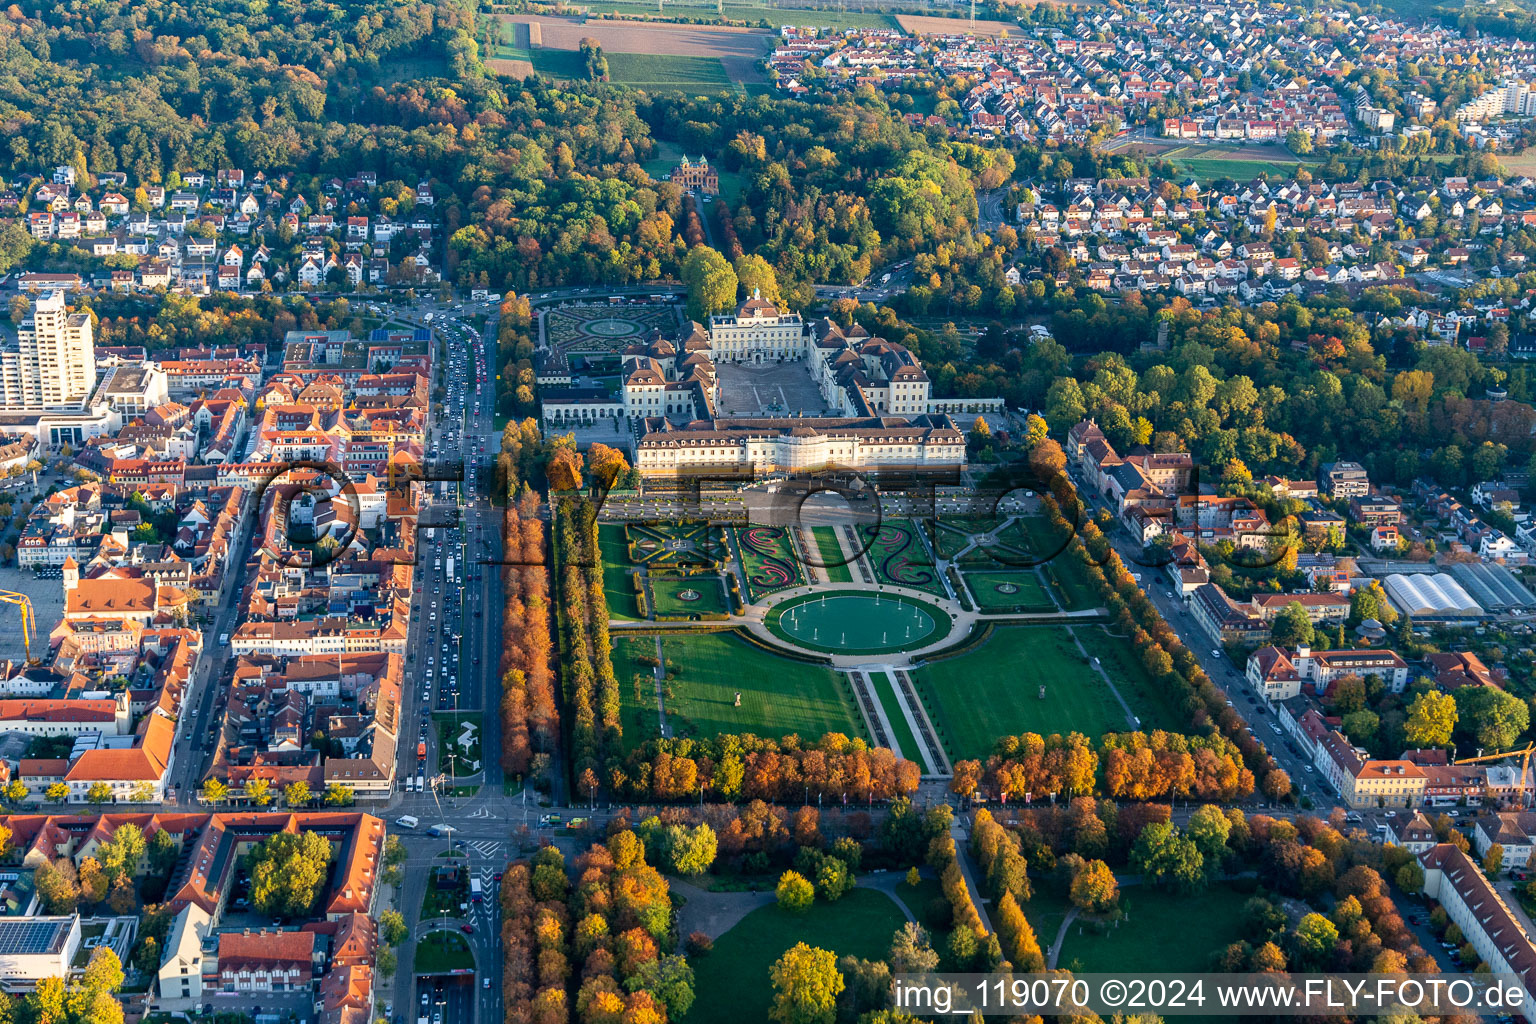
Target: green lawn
<point x="732" y="984"/>
<point x="1163" y="932"/>
<point x="900" y="558"/>
<point x="901" y="732"/>
<point x="465" y="760"/>
<point x="441" y="952"/>
<point x="1147" y="699"/>
<point x="1209" y="169"/>
<point x="705" y="595"/>
<point x="1027" y="593"/>
<point x="637" y="703"/>
<point x="779" y="696"/>
<point x="993" y="690"/>
<point x="833" y="562"/>
<point x="1045" y="910"/>
<point x="618" y="588"/>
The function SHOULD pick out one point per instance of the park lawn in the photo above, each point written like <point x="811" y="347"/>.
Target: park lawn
<point x="993" y="690"/>
<point x="1045" y="910"/>
<point x="901" y="558"/>
<point x="667" y="156"/>
<point x="834" y="562"/>
<point x="1162" y="931"/>
<point x="618" y="586"/>
<point x="732" y="983"/>
<point x="1149" y="701"/>
<point x="637" y="701"/>
<point x="1031" y="595"/>
<point x="901" y="732"/>
<point x="779" y="696"/>
<point x="441" y="952"/>
<point x="917" y="898"/>
<point x="711" y="600"/>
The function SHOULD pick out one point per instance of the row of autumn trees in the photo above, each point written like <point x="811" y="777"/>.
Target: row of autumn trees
<point x="1126" y="766"/>
<point x="529" y="717"/>
<point x="1166" y="658"/>
<point x="596" y="948"/>
<point x="591" y="690"/>
<point x="733" y="767"/>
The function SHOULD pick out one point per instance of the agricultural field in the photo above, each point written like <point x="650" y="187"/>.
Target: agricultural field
<point x="732" y="983"/>
<point x="779" y="696"/>
<point x="993" y="689"/>
<point x="770" y="14"/>
<point x="769" y="560"/>
<point x="900" y="558"/>
<point x="1165" y="932"/>
<point x="646" y="54"/>
<point x="925" y="25"/>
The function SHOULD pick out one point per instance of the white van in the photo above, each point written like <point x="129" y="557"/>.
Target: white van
<point x="407" y="821"/>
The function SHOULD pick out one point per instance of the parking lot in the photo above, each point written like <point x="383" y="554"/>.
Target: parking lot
<point x="47" y="596"/>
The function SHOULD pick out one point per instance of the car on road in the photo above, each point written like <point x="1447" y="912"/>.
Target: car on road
<point x="467" y="929"/>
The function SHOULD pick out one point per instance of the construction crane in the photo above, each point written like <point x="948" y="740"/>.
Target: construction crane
<point x="28" y="620"/>
<point x="1525" y="764"/>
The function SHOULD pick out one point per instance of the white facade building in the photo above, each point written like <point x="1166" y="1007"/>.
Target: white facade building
<point x="53" y="365"/>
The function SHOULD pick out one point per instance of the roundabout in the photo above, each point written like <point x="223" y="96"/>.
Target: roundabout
<point x="858" y="622"/>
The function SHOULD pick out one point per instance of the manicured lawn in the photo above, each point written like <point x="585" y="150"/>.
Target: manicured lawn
<point x="1163" y="932"/>
<point x="900" y="558"/>
<point x="778" y="696"/>
<point x="901" y="732"/>
<point x="1147" y="699"/>
<point x="693" y="595"/>
<point x="993" y="690"/>
<point x="637" y="703"/>
<point x="833" y="562"/>
<point x="769" y="560"/>
<point x="1045" y="910"/>
<point x="440" y="952"/>
<point x="1005" y="591"/>
<point x="618" y="588"/>
<point x="732" y="984"/>
<point x="463" y="757"/>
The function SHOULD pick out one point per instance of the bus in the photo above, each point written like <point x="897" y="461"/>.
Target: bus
<point x="450" y="567"/>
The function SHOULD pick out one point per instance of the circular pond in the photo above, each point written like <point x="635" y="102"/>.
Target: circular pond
<point x="858" y="622"/>
<point x="612" y="328"/>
